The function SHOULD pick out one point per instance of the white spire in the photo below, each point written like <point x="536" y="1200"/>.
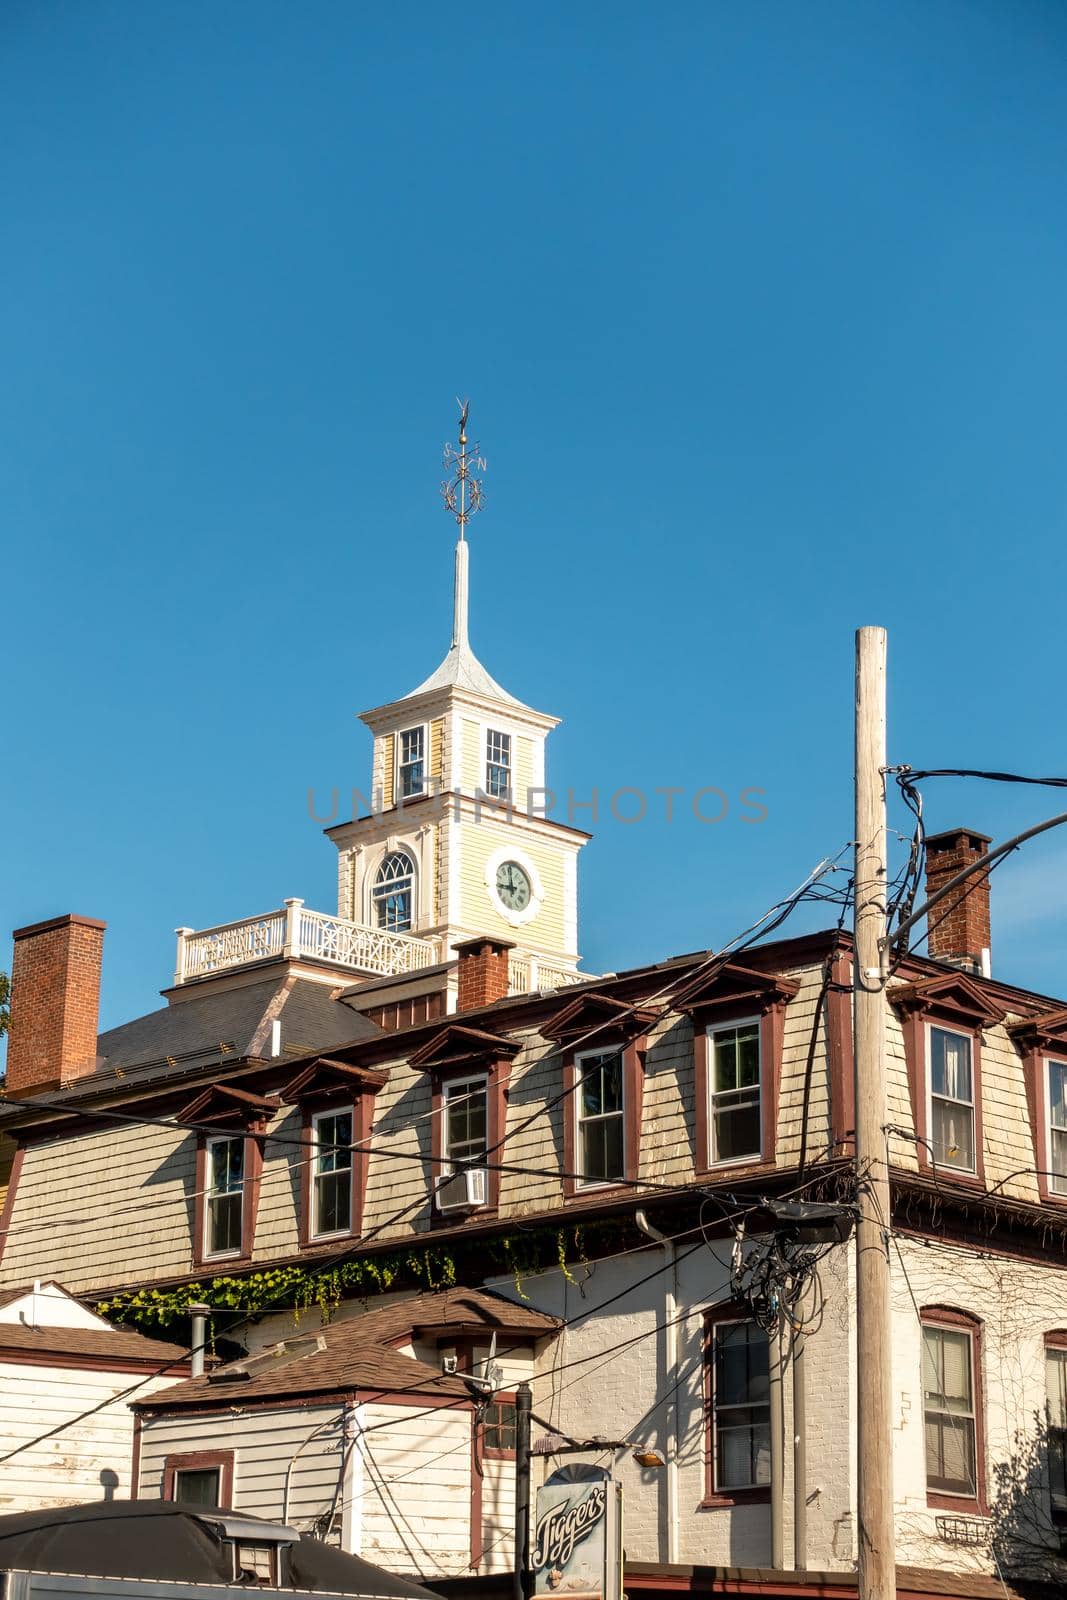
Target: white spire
<point x="459" y="603"/>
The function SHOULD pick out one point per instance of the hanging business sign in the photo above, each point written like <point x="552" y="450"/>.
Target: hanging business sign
<point x="576" y="1544"/>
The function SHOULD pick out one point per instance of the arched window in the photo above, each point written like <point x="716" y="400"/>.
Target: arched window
<point x="394" y="887"/>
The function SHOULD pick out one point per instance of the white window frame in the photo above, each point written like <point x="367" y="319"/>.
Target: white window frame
<point x="403" y="848"/>
<point x="457" y="1088"/>
<point x="958" y="1033"/>
<point x="1054" y="1182"/>
<point x="422" y="728"/>
<point x="319" y="1116"/>
<point x="718" y="1487"/>
<point x="713" y="1029"/>
<point x="210" y="1192"/>
<point x="491" y="732"/>
<point x="583" y="1182"/>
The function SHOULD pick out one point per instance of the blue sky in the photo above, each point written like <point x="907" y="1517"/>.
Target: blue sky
<point x="762" y="312"/>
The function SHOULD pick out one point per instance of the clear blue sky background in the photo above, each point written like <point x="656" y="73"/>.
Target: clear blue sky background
<point x="762" y="310"/>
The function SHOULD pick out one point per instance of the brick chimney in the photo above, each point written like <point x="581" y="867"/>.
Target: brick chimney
<point x="959" y="933"/>
<point x="483" y="971"/>
<point x="55" y="997"/>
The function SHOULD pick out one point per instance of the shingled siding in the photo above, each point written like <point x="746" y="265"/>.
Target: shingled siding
<point x="115" y="1205"/>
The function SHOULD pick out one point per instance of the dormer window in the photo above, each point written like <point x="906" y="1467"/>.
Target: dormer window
<point x="1057" y="1125"/>
<point x="951" y="1098"/>
<point x="411" y="762"/>
<point x="601" y="1117"/>
<point x="331" y="1197"/>
<point x="497" y="762"/>
<point x="393" y="892"/>
<point x="224" y="1200"/>
<point x="466" y="1119"/>
<point x="736" y="1116"/>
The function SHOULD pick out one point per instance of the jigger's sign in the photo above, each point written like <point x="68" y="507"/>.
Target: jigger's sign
<point x="574" y="1536"/>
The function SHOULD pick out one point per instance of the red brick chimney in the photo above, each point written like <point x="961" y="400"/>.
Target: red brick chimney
<point x="483" y="971"/>
<point x="959" y="926"/>
<point x="55" y="998"/>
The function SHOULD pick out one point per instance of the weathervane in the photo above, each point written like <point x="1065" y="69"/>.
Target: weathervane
<point x="462" y="492"/>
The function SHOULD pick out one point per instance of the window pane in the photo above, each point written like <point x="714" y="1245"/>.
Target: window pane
<point x="952" y="1134"/>
<point x="948" y="1390"/>
<point x="199" y="1488"/>
<point x="737" y="1131"/>
<point x="224" y="1224"/>
<point x="602" y="1150"/>
<point x="950" y="1065"/>
<point x="466" y="1121"/>
<point x="333" y="1139"/>
<point x="741" y="1417"/>
<point x="333" y="1202"/>
<point x="499" y="1426"/>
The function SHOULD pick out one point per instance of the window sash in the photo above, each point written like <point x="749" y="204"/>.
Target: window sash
<point x="950" y="1078"/>
<point x="497" y="762"/>
<point x="735" y="1089"/>
<point x="411" y="762"/>
<point x="949" y="1419"/>
<point x="1056" y="1403"/>
<point x="392" y="895"/>
<point x="601" y="1117"/>
<point x="197" y="1486"/>
<point x="740" y="1427"/>
<point x="331" y="1188"/>
<point x="1056" y="1091"/>
<point x="224" y="1195"/>
<point x="465" y="1120"/>
<point x="498" y="1426"/>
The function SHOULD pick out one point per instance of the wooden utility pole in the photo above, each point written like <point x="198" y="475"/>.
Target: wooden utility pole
<point x="874" y="1428"/>
<point x="520" y="1585"/>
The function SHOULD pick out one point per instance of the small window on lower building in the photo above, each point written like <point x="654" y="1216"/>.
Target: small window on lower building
<point x="949" y="1412"/>
<point x="197" y="1486"/>
<point x="498" y="1426"/>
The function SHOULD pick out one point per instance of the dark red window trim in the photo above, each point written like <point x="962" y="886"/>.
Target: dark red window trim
<point x="496" y="1072"/>
<point x="949" y="1317"/>
<point x="731" y="1311"/>
<point x="1040" y="1040"/>
<point x="505" y="1397"/>
<point x="253" y="1172"/>
<point x="9" y="1199"/>
<point x="201" y="1461"/>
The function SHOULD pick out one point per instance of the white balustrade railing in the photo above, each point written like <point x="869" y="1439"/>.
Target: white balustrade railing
<point x="296" y="932"/>
<point x="528" y="974"/>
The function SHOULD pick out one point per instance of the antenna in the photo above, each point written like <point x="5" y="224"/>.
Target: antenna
<point x="462" y="491"/>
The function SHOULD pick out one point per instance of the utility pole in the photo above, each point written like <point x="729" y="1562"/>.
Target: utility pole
<point x="874" y="1429"/>
<point x="523" y="1408"/>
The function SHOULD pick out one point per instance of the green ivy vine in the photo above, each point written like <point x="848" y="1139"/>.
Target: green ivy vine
<point x="298" y="1288"/>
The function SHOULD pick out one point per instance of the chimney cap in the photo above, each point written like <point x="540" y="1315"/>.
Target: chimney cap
<point x="67" y="921"/>
<point x="949" y="836"/>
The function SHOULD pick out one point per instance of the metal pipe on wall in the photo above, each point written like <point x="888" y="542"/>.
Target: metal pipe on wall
<point x="776" y="1346"/>
<point x="199" y="1315"/>
<point x="671" y="1360"/>
<point x="800" y="1455"/>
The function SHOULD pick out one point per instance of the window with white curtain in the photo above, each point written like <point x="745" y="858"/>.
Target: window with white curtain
<point x="1057" y="1126"/>
<point x="952" y="1099"/>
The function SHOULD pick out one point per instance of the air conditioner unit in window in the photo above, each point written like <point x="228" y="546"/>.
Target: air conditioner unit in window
<point x="462" y="1190"/>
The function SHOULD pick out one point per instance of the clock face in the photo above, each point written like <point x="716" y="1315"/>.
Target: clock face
<point x="513" y="886"/>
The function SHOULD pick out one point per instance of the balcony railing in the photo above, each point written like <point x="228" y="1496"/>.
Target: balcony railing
<point x="297" y="933"/>
<point x="527" y="974"/>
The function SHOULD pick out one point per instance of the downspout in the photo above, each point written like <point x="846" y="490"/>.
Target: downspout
<point x="199" y="1315"/>
<point x="671" y="1341"/>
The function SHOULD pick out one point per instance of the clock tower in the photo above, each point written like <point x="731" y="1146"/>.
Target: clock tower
<point x="456" y="842"/>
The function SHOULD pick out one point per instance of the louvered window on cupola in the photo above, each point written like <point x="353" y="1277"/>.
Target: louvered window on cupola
<point x="411" y="762"/>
